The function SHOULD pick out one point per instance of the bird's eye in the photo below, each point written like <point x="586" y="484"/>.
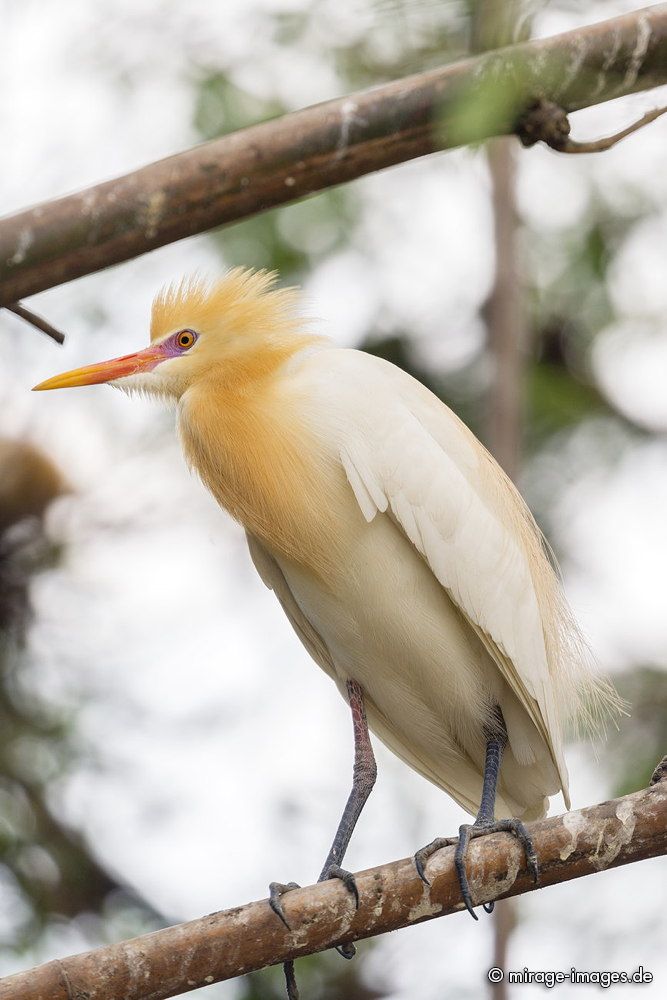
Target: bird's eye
<point x="185" y="339"/>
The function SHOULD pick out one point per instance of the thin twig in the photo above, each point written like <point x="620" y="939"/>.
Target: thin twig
<point x="547" y="122"/>
<point x="37" y="321"/>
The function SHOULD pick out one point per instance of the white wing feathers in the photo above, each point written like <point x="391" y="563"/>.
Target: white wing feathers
<point x="458" y="522"/>
<point x="406" y="455"/>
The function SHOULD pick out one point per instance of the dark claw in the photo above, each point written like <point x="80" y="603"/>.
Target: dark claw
<point x="347" y="951"/>
<point x="347" y="878"/>
<point x="465" y="833"/>
<point x="533" y="866"/>
<point x="419" y="865"/>
<point x="422" y="856"/>
<point x="276" y="890"/>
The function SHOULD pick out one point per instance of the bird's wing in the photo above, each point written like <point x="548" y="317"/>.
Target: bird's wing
<point x="272" y="576"/>
<point x="405" y="453"/>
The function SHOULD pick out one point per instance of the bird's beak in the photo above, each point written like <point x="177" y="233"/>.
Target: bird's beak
<point x="106" y="371"/>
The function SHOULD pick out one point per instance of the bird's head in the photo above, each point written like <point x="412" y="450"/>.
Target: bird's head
<point x="228" y="331"/>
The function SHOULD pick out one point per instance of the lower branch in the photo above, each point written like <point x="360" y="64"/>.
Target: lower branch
<point x="233" y="942"/>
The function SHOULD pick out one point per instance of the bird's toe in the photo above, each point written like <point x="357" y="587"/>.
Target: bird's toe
<point x="466" y="831"/>
<point x="519" y="830"/>
<point x="276" y="892"/>
<point x="347" y="878"/>
<point x="424" y="853"/>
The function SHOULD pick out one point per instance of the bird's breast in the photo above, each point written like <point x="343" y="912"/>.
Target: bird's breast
<point x="264" y="464"/>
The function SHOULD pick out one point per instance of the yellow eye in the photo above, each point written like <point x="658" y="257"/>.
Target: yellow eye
<point x="185" y="339"/>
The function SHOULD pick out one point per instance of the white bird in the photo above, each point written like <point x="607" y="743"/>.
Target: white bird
<point x="404" y="558"/>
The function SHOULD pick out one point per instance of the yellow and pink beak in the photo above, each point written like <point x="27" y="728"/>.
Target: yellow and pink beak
<point x="109" y="371"/>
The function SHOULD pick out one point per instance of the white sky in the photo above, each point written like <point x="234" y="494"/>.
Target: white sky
<point x="190" y="789"/>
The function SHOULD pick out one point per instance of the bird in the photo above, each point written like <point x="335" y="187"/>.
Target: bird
<point x="406" y="561"/>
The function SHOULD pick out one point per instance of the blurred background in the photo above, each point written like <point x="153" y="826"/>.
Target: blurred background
<point x="142" y="663"/>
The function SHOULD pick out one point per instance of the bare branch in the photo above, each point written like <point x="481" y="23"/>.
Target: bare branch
<point x="321" y="146"/>
<point x="37" y="321"/>
<point x="547" y="122"/>
<point x="230" y="943"/>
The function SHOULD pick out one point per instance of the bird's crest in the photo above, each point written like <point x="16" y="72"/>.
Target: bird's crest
<point x="244" y="300"/>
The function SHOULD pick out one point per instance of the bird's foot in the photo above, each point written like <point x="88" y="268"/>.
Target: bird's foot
<point x="347" y="878"/>
<point x="276" y="892"/>
<point x="278" y="889"/>
<point x="468" y="832"/>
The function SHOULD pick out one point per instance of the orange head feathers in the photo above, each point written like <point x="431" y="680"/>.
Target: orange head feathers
<point x="216" y="348"/>
<point x="241" y="303"/>
<point x="235" y="330"/>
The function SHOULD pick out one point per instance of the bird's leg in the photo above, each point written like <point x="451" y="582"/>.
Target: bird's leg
<point x="363" y="779"/>
<point x="485" y="821"/>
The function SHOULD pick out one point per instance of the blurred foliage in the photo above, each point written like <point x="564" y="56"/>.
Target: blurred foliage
<point x="567" y="309"/>
<point x="325" y="976"/>
<point x="632" y="753"/>
<point x="222" y="107"/>
<point x="568" y="301"/>
<point x="290" y="239"/>
<point x="389" y="39"/>
<point x="46" y="866"/>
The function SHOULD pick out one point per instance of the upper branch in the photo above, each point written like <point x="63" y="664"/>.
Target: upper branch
<point x="233" y="942"/>
<point x="313" y="149"/>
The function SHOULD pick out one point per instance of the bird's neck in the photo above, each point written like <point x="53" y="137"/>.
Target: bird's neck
<point x="254" y="451"/>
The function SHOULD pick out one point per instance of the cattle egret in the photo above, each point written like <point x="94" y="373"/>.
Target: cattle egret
<point x="405" y="560"/>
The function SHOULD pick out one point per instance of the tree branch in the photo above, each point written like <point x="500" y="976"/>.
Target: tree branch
<point x="230" y="943"/>
<point x="321" y="146"/>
